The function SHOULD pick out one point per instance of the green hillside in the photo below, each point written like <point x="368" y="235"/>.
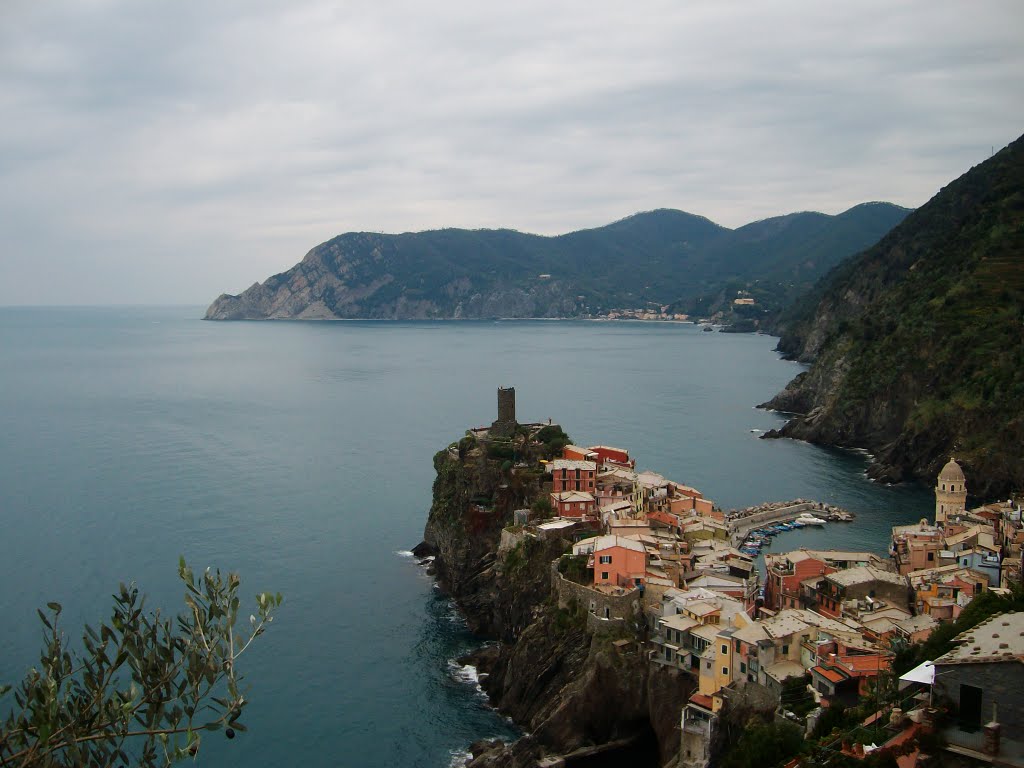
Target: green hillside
<point x="658" y="257"/>
<point x="918" y="343"/>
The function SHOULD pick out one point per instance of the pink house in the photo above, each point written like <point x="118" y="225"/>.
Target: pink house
<point x="572" y="475"/>
<point x="573" y="504"/>
<point x="619" y="561"/>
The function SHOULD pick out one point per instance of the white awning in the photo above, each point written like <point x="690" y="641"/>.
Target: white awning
<point x="923" y="673"/>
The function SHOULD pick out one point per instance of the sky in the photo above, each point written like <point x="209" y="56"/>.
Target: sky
<point x="167" y="152"/>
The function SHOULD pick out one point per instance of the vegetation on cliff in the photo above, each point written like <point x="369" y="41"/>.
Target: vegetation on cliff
<point x="658" y="257"/>
<point x="917" y="344"/>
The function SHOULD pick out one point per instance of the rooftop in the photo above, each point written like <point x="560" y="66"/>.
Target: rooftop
<point x="572" y="496"/>
<point x="552" y="525"/>
<point x="706" y="631"/>
<point x="573" y="464"/>
<point x="864" y="574"/>
<point x="607" y="542"/>
<point x="783" y="670"/>
<point x="830" y="674"/>
<point x="1001" y="638"/>
<point x="679" y="622"/>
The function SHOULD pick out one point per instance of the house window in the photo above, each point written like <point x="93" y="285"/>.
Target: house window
<point x="743" y="667"/>
<point x="785" y="650"/>
<point x="725" y="648"/>
<point x="725" y="670"/>
<point x="931" y="556"/>
<point x="604" y="575"/>
<point x="606" y="559"/>
<point x="736" y="643"/>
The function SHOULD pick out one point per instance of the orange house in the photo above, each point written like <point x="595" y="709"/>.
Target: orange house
<point x="619" y="561"/>
<point x="575" y="453"/>
<point x="609" y="455"/>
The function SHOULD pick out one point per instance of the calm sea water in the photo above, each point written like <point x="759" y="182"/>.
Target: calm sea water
<point x="299" y="454"/>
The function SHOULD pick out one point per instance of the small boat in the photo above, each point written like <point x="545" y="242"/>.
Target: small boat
<point x="811" y="520"/>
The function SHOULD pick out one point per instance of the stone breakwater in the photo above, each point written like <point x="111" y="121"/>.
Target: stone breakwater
<point x="742" y="521"/>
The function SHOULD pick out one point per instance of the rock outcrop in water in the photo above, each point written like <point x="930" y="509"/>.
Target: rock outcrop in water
<point x="549" y="673"/>
<point x="918" y="343"/>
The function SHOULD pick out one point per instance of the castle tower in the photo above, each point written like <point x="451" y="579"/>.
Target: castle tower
<point x="505" y="426"/>
<point x="950" y="492"/>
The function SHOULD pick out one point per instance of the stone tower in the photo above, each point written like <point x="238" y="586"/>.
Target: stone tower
<point x="950" y="492"/>
<point x="505" y="426"/>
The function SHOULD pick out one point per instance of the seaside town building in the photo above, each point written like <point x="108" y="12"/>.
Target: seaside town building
<point x="983" y="678"/>
<point x="950" y="492"/>
<point x="865" y="583"/>
<point x="573" y="475"/>
<point x="665" y="558"/>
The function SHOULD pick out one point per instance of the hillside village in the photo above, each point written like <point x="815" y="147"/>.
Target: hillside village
<point x="664" y="570"/>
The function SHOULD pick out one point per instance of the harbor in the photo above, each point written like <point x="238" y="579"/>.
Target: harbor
<point x="752" y="528"/>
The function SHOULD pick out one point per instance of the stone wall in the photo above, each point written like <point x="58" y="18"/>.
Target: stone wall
<point x="603" y="606"/>
<point x="1001" y="684"/>
<point x="740" y="527"/>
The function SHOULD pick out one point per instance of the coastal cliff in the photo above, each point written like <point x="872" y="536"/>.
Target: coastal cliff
<point x="550" y="672"/>
<point x="917" y="344"/>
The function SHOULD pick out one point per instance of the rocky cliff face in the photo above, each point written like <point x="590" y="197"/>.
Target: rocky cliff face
<point x="572" y="691"/>
<point x="917" y="343"/>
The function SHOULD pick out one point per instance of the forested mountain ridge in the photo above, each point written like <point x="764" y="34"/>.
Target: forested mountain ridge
<point x="659" y="257"/>
<point x="918" y="343"/>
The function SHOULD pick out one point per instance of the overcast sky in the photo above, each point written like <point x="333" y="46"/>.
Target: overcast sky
<point x="166" y="152"/>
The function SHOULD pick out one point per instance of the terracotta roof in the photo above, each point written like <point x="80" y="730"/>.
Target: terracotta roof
<point x="829" y="674"/>
<point x="1000" y="638"/>
<point x="701" y="700"/>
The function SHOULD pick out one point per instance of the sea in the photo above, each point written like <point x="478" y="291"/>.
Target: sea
<point x="299" y="454"/>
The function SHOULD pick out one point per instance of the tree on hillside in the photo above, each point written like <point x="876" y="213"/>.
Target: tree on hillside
<point x="143" y="688"/>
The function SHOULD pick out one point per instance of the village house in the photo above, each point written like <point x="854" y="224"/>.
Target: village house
<point x="619" y="484"/>
<point x="619" y="561"/>
<point x="983" y="679"/>
<point x="571" y="475"/>
<point x="771" y="650"/>
<point x="573" y="504"/>
<point x="983" y="561"/>
<point x="865" y="583"/>
<point x="944" y="592"/>
<point x="844" y="670"/>
<point x="576" y="453"/>
<point x="917" y="546"/>
<point x="609" y="456"/>
<point x="784" y="572"/>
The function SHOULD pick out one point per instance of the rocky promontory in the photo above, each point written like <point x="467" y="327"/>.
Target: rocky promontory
<point x="549" y="671"/>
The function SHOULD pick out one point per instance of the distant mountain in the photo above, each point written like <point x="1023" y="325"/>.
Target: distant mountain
<point x="918" y="343"/>
<point x="659" y="257"/>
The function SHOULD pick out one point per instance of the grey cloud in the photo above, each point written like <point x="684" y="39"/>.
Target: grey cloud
<point x="168" y="152"/>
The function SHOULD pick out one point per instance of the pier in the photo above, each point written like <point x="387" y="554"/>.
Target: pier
<point x="741" y="522"/>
